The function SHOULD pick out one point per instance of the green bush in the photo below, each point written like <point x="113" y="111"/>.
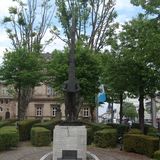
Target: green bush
<point x="10" y="122"/>
<point x="157" y="155"/>
<point x="40" y="136"/>
<point x="121" y="129"/>
<point x="135" y="131"/>
<point x="9" y="137"/>
<point x="152" y="131"/>
<point x="25" y="128"/>
<point x="92" y="128"/>
<point x="142" y="144"/>
<point x="146" y="127"/>
<point x="105" y="138"/>
<point x="48" y="125"/>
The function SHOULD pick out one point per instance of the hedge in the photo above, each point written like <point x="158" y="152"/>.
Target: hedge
<point x="9" y="137"/>
<point x="157" y="155"/>
<point x="7" y="122"/>
<point x="40" y="136"/>
<point x="146" y="127"/>
<point x="92" y="128"/>
<point x="48" y="125"/>
<point x="135" y="131"/>
<point x="105" y="138"/>
<point x="142" y="144"/>
<point x="25" y="128"/>
<point x="121" y="129"/>
<point x="152" y="131"/>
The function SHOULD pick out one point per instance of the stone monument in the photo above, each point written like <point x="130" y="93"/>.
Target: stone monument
<point x="69" y="142"/>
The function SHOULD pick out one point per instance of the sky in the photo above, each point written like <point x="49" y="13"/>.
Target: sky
<point x="125" y="10"/>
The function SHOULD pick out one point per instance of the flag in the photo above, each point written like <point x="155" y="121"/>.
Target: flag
<point x="101" y="94"/>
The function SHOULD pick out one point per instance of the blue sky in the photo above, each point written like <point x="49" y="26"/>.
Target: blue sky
<point x="125" y="10"/>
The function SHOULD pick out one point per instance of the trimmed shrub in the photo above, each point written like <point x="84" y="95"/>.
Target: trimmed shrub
<point x="137" y="126"/>
<point x="157" y="155"/>
<point x="9" y="137"/>
<point x="121" y="129"/>
<point x="142" y="144"/>
<point x="105" y="138"/>
<point x="48" y="125"/>
<point x="92" y="128"/>
<point x="152" y="132"/>
<point x="10" y="122"/>
<point x="25" y="128"/>
<point x="40" y="136"/>
<point x="135" y="131"/>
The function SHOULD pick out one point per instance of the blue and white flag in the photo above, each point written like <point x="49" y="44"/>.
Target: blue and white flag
<point x="101" y="94"/>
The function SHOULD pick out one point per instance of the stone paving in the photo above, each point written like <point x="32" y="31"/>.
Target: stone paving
<point x="26" y="151"/>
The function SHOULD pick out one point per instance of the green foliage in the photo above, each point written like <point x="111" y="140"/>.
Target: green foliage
<point x="57" y="69"/>
<point x="87" y="72"/>
<point x="25" y="128"/>
<point x="152" y="131"/>
<point x="151" y="7"/>
<point x="92" y="128"/>
<point x="157" y="155"/>
<point x="7" y="122"/>
<point x="22" y="68"/>
<point x="106" y="138"/>
<point x="48" y="125"/>
<point x="146" y="127"/>
<point x="129" y="110"/>
<point x="139" y="50"/>
<point x="40" y="136"/>
<point x="142" y="144"/>
<point x="121" y="129"/>
<point x="135" y="131"/>
<point x="9" y="137"/>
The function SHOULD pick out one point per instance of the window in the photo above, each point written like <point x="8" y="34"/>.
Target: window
<point x="49" y="91"/>
<point x="85" y="112"/>
<point x="1" y="109"/>
<point x="39" y="110"/>
<point x="6" y="100"/>
<point x="54" y="110"/>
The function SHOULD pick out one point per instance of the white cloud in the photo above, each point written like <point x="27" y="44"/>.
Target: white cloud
<point x="5" y="4"/>
<point x="123" y="4"/>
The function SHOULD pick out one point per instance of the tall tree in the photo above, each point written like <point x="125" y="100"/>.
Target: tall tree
<point x="114" y="75"/>
<point x="87" y="72"/>
<point x="129" y="111"/>
<point x="94" y="21"/>
<point x="88" y="22"/>
<point x="22" y="69"/>
<point x="26" y="26"/>
<point x="139" y="40"/>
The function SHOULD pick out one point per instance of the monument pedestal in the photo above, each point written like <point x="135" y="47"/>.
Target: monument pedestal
<point x="69" y="142"/>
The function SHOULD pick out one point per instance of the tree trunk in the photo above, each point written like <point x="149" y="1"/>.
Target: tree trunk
<point x="153" y="111"/>
<point x="92" y="108"/>
<point x="19" y="108"/>
<point x="24" y="97"/>
<point x="121" y="108"/>
<point x="112" y="112"/>
<point x="141" y="111"/>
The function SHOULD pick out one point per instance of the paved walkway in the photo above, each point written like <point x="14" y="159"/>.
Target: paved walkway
<point x="26" y="151"/>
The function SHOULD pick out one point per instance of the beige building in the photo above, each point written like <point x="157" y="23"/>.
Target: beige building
<point x="45" y="104"/>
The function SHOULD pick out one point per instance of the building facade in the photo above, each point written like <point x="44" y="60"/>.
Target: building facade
<point x="45" y="104"/>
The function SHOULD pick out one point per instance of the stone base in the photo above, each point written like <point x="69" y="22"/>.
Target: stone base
<point x="69" y="138"/>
